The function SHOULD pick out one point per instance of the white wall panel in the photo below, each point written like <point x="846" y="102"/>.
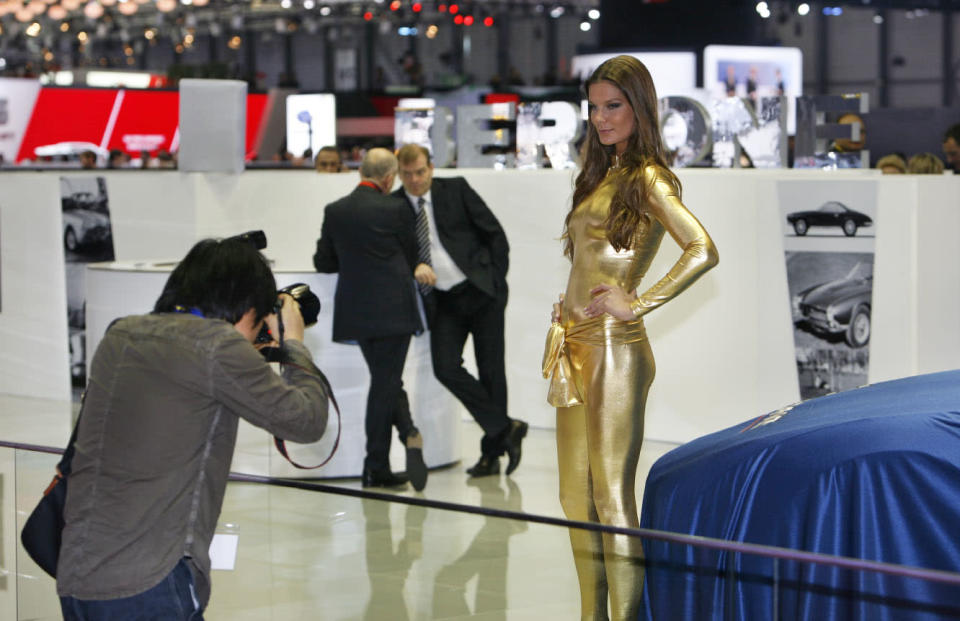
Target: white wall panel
<point x="33" y="299"/>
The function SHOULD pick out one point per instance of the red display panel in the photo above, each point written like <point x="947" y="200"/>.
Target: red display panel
<point x="67" y="115"/>
<point x="384" y="104"/>
<point x="495" y="98"/>
<point x="147" y="120"/>
<point x="128" y="119"/>
<point x="256" y="107"/>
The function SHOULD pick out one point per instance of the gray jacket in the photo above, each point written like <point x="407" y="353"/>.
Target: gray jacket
<point x="153" y="450"/>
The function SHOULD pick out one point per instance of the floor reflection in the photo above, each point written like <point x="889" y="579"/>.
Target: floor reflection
<point x="485" y="558"/>
<point x="383" y="557"/>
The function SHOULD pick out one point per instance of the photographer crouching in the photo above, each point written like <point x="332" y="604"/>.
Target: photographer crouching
<point x="157" y="430"/>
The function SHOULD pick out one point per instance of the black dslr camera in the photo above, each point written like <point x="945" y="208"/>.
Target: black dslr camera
<point x="306" y="299"/>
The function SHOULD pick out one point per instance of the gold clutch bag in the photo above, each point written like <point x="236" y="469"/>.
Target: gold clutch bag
<point x="556" y="365"/>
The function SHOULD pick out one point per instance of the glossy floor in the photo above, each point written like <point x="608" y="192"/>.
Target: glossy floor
<point x="312" y="555"/>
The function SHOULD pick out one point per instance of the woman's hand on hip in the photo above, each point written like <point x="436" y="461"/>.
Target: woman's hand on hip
<point x="611" y="300"/>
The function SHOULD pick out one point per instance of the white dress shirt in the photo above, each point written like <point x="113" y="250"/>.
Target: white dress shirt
<point x="448" y="274"/>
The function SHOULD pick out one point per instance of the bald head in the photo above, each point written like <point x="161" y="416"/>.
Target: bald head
<point x="377" y="165"/>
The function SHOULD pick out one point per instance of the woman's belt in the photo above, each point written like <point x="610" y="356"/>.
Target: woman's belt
<point x="598" y="331"/>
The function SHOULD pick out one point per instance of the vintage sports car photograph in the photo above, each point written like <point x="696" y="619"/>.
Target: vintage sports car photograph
<point x="830" y="214"/>
<point x="838" y="307"/>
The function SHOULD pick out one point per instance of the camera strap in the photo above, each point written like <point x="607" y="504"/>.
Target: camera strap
<point x="281" y="444"/>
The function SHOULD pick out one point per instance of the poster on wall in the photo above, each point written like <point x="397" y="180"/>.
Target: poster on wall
<point x="311" y="123"/>
<point x="754" y="72"/>
<point x="87" y="238"/>
<point x="829" y="230"/>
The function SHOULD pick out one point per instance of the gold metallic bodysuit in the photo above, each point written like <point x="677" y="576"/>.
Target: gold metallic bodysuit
<point x="598" y="442"/>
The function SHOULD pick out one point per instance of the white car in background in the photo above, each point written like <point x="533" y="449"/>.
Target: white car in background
<point x="84" y="227"/>
<point x="71" y="150"/>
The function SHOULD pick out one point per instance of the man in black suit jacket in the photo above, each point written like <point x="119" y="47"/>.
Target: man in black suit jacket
<point x="368" y="237"/>
<point x="464" y="256"/>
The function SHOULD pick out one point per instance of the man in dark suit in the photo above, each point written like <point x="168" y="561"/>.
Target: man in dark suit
<point x="369" y="238"/>
<point x="462" y="275"/>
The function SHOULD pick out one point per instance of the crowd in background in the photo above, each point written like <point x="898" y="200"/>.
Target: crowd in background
<point x="334" y="159"/>
<point x="925" y="163"/>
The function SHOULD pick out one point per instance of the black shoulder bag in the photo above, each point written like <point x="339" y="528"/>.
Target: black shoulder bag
<point x="42" y="531"/>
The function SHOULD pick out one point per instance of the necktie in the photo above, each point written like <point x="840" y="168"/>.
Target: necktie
<point x="423" y="240"/>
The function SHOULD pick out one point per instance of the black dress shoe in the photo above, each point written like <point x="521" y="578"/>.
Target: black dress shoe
<point x="485" y="466"/>
<point x="416" y="469"/>
<point x="512" y="442"/>
<point x="382" y="478"/>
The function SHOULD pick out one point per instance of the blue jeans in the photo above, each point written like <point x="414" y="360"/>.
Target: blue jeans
<point x="174" y="599"/>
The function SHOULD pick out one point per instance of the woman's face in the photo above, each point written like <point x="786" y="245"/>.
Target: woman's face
<point x="611" y="114"/>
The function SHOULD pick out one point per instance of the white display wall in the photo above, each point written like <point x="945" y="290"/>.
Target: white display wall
<point x="724" y="348"/>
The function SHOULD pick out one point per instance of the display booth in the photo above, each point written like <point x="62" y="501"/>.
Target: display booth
<point x="724" y="349"/>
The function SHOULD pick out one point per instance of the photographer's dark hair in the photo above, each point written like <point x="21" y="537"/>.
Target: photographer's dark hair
<point x="223" y="279"/>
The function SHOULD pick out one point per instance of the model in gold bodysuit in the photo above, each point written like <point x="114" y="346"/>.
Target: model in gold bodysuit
<point x="612" y="365"/>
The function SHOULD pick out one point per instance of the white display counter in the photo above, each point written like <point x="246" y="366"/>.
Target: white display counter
<point x="724" y="349"/>
<point x="128" y="288"/>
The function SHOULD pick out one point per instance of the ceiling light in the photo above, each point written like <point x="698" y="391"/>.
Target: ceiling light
<point x="803" y="9"/>
<point x="33" y="29"/>
<point x="557" y="11"/>
<point x="325" y="10"/>
<point x="585" y="26"/>
<point x="593" y="14"/>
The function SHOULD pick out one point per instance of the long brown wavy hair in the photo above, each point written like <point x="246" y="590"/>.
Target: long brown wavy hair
<point x="644" y="148"/>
